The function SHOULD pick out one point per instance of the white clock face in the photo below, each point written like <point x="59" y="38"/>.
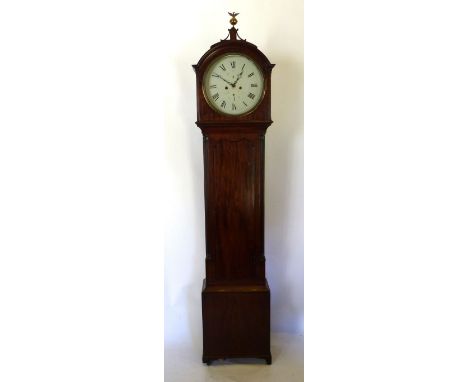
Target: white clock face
<point x="233" y="84"/>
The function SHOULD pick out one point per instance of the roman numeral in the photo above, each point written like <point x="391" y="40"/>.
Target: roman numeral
<point x="233" y="64"/>
<point x="215" y="96"/>
<point x="223" y="104"/>
<point x="243" y="67"/>
<point x="215" y="75"/>
<point x="213" y="86"/>
<point x="233" y="107"/>
<point x="244" y="103"/>
<point x="222" y="67"/>
<point x="253" y="85"/>
<point x="252" y="96"/>
<point x="251" y="74"/>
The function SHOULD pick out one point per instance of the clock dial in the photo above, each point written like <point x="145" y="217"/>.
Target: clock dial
<point x="233" y="84"/>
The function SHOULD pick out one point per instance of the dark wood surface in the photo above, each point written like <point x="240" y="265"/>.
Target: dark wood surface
<point x="236" y="322"/>
<point x="235" y="294"/>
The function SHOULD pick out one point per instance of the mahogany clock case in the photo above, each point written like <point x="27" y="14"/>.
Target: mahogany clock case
<point x="235" y="292"/>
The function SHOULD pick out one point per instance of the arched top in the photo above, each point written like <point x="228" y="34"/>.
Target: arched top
<point x="233" y="46"/>
<point x="257" y="118"/>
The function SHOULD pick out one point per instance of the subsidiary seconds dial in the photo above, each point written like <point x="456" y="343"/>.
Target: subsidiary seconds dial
<point x="233" y="84"/>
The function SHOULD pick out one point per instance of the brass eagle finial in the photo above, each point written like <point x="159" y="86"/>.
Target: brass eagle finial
<point x="233" y="20"/>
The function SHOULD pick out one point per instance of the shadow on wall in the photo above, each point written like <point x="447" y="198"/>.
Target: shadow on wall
<point x="195" y="260"/>
<point x="284" y="200"/>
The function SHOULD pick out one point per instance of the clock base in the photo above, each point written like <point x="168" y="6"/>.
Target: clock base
<point x="236" y="322"/>
<point x="209" y="360"/>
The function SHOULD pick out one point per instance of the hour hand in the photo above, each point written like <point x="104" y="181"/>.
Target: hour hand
<point x="239" y="76"/>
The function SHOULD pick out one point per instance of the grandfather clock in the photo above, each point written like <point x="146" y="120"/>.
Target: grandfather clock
<point x="233" y="113"/>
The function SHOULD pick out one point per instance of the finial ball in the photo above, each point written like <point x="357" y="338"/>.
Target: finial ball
<point x="233" y="20"/>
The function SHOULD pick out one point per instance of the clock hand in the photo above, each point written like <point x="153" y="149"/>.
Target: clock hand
<point x="217" y="75"/>
<point x="239" y="76"/>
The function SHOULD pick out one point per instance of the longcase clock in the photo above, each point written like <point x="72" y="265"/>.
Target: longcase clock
<point x="233" y="83"/>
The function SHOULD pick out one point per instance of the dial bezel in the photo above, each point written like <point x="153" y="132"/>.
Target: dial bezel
<point x="208" y="70"/>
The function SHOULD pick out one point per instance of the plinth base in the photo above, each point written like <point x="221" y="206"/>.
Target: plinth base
<point x="236" y="322"/>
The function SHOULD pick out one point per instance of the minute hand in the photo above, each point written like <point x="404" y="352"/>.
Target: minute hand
<point x="217" y="75"/>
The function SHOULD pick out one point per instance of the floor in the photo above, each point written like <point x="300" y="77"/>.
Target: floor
<point x="183" y="363"/>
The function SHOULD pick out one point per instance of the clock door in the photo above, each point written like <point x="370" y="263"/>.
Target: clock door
<point x="234" y="209"/>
